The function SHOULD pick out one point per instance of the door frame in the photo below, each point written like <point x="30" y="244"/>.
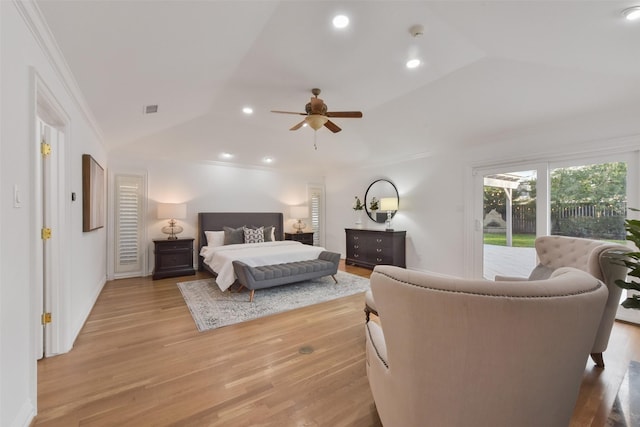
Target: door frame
<point x="47" y="108"/>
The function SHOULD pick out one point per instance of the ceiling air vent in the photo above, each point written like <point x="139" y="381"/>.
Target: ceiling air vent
<point x="150" y="109"/>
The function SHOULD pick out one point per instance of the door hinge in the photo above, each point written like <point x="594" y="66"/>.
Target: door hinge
<point x="45" y="149"/>
<point x="45" y="233"/>
<point x="46" y="318"/>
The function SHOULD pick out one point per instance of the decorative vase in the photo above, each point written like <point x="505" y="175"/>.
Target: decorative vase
<point x="358" y="219"/>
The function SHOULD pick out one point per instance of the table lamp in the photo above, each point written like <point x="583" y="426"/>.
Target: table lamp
<point x="172" y="211"/>
<point x="389" y="204"/>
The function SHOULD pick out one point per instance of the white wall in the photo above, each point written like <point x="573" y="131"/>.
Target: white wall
<point x="23" y="55"/>
<point x="209" y="187"/>
<point x="430" y="210"/>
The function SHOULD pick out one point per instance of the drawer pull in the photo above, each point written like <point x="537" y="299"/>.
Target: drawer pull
<point x="356" y="255"/>
<point x="379" y="259"/>
<point x="379" y="240"/>
<point x="355" y="237"/>
<point x="378" y="250"/>
<point x="356" y="246"/>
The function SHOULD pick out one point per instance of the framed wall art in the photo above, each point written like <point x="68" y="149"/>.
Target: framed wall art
<point x="93" y="194"/>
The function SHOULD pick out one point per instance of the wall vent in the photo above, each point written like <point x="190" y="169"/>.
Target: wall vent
<point x="150" y="109"/>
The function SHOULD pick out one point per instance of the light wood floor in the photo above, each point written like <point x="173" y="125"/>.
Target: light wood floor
<point x="140" y="361"/>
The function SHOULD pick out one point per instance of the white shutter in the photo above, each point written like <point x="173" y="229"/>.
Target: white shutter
<point x="128" y="225"/>
<point x="316" y="205"/>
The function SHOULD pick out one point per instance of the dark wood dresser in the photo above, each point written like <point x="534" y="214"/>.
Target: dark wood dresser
<point x="368" y="248"/>
<point x="173" y="258"/>
<point x="306" y="238"/>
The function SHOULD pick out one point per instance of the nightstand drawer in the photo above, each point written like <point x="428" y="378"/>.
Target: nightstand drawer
<point x="172" y="246"/>
<point x="306" y="238"/>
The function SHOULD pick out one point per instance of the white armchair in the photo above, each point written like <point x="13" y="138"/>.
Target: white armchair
<point x="600" y="259"/>
<point x="457" y="352"/>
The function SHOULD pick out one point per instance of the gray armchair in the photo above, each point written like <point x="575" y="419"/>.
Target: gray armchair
<point x="457" y="352"/>
<point x="596" y="257"/>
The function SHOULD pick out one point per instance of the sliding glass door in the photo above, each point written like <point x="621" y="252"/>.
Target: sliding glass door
<point x="509" y="222"/>
<point x="585" y="197"/>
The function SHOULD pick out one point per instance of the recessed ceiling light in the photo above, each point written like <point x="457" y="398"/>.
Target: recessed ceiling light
<point x="340" y="21"/>
<point x="632" y="13"/>
<point x="226" y="155"/>
<point x="247" y="110"/>
<point x="413" y="63"/>
<point x="267" y="159"/>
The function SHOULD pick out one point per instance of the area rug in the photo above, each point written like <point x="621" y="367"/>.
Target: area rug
<point x="211" y="308"/>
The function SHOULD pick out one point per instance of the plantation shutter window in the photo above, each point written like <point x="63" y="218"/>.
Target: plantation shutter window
<point x="128" y="224"/>
<point x="316" y="207"/>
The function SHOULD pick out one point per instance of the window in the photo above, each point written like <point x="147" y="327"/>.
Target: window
<point x="316" y="207"/>
<point x="128" y="225"/>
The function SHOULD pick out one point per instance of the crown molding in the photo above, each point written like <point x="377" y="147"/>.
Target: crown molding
<point x="41" y="32"/>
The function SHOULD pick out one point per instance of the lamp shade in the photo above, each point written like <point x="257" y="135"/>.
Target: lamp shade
<point x="299" y="212"/>
<point x="172" y="210"/>
<point x="389" y="204"/>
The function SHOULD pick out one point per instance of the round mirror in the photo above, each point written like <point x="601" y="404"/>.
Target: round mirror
<point x="378" y="190"/>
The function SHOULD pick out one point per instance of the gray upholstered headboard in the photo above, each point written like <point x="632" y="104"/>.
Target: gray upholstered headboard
<point x="214" y="221"/>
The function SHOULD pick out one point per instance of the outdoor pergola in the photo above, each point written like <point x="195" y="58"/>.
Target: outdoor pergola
<point x="507" y="182"/>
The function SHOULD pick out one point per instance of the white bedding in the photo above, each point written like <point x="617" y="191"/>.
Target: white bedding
<point x="220" y="258"/>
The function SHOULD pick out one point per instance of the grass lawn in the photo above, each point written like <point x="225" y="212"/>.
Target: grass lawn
<point x="519" y="240"/>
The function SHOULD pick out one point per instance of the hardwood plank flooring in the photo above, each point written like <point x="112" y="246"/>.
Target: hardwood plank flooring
<point x="140" y="361"/>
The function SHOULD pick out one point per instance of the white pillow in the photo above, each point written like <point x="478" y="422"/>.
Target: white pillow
<point x="214" y="238"/>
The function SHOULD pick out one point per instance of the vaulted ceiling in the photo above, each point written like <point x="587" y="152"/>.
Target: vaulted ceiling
<point x="489" y="68"/>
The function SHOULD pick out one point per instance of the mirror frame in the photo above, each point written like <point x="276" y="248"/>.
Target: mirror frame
<point x="367" y="200"/>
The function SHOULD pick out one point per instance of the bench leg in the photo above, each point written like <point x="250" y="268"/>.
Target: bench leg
<point x="251" y="295"/>
<point x="334" y="278"/>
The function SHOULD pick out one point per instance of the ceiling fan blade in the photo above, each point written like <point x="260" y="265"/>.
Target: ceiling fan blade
<point x="347" y="114"/>
<point x="298" y="126"/>
<point x="332" y="126"/>
<point x="288" y="112"/>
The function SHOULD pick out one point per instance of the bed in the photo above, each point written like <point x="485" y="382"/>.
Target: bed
<point x="218" y="259"/>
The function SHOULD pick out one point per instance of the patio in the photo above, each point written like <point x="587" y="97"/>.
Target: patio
<point x="508" y="261"/>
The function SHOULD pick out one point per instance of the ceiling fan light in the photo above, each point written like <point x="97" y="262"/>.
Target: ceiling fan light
<point x="316" y="121"/>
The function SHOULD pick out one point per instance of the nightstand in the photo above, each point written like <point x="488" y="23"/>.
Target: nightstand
<point x="306" y="238"/>
<point x="173" y="258"/>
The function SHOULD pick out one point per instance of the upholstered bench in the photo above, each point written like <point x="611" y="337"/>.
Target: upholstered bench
<point x="267" y="276"/>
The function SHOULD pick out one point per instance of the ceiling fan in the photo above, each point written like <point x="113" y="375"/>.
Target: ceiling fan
<point x="318" y="116"/>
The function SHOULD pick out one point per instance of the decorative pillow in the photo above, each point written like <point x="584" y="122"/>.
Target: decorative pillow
<point x="269" y="233"/>
<point x="233" y="236"/>
<point x="214" y="238"/>
<point x="253" y="235"/>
